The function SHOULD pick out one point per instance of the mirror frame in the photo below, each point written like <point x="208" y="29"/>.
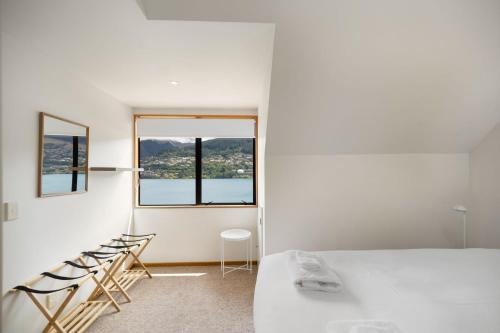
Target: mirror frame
<point x="41" y="122"/>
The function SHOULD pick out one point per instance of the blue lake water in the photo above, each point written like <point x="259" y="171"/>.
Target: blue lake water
<point x="183" y="191"/>
<point x="167" y="191"/>
<point x="61" y="183"/>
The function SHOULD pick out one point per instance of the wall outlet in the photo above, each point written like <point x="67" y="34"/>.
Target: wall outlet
<point x="10" y="211"/>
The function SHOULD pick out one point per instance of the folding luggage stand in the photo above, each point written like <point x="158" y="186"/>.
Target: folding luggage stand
<point x="80" y="317"/>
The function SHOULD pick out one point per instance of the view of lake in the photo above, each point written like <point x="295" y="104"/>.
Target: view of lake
<point x="168" y="191"/>
<point x="182" y="191"/>
<point x="61" y="183"/>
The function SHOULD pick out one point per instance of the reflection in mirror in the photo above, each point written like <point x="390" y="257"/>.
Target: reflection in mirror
<point x="63" y="156"/>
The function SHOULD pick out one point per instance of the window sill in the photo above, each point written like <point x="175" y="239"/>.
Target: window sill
<point x="195" y="206"/>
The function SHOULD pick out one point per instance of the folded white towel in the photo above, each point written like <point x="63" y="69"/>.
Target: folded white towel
<point x="322" y="279"/>
<point x="362" y="326"/>
<point x="308" y="261"/>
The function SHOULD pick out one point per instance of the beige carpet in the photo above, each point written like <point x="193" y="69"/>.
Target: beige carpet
<point x="185" y="304"/>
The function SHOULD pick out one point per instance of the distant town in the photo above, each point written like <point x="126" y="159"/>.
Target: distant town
<point x="221" y="158"/>
<point x="58" y="154"/>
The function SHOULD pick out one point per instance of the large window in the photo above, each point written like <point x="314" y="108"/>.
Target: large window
<point x="169" y="176"/>
<point x="227" y="169"/>
<point x="198" y="162"/>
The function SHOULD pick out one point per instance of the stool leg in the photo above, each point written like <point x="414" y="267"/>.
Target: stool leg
<point x="247" y="246"/>
<point x="251" y="248"/>
<point x="223" y="268"/>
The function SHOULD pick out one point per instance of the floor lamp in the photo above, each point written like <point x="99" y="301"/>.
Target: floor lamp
<point x="463" y="210"/>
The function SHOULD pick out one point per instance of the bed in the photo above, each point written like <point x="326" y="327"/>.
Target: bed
<point x="421" y="291"/>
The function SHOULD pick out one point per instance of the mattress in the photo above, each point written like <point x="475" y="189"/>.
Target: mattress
<point x="421" y="291"/>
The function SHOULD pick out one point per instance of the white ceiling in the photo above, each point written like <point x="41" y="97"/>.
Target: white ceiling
<point x="111" y="44"/>
<point x="348" y="76"/>
<point x="364" y="76"/>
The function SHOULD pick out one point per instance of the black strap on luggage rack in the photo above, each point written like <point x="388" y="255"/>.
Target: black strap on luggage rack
<point x="38" y="291"/>
<point x="146" y="235"/>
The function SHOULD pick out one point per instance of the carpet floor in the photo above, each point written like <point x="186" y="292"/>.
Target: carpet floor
<point x="184" y="300"/>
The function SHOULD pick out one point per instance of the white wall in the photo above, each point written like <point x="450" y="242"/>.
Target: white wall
<point x="263" y="111"/>
<point x="484" y="208"/>
<point x="364" y="201"/>
<point x="51" y="230"/>
<point x="1" y="178"/>
<point x="192" y="234"/>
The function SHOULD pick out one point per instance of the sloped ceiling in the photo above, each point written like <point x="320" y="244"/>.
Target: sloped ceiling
<point x="364" y="76"/>
<point x="348" y="76"/>
<point x="115" y="47"/>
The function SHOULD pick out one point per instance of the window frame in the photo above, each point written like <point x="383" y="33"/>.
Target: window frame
<point x="198" y="161"/>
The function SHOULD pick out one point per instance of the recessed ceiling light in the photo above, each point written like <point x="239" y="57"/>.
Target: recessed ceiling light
<point x="174" y="83"/>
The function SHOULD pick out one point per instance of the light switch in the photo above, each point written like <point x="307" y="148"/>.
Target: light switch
<point x="10" y="211"/>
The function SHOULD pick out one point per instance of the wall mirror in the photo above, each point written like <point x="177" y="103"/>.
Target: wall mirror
<point x="63" y="156"/>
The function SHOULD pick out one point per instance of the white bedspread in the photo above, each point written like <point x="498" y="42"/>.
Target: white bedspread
<point x="421" y="291"/>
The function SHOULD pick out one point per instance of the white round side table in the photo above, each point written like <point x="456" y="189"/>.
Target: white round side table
<point x="236" y="235"/>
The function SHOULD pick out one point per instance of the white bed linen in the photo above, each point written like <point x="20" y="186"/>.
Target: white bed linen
<point x="421" y="291"/>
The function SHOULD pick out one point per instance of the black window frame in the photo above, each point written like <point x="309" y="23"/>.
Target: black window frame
<point x="198" y="180"/>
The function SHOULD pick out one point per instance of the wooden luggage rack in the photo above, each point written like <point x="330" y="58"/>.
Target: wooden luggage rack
<point x="128" y="277"/>
<point x="114" y="279"/>
<point x="109" y="281"/>
<point x="106" y="274"/>
<point x="80" y="317"/>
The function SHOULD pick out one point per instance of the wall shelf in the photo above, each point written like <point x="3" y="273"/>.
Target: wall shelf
<point x="116" y="169"/>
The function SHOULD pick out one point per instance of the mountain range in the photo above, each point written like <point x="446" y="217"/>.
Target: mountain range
<point x="155" y="147"/>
